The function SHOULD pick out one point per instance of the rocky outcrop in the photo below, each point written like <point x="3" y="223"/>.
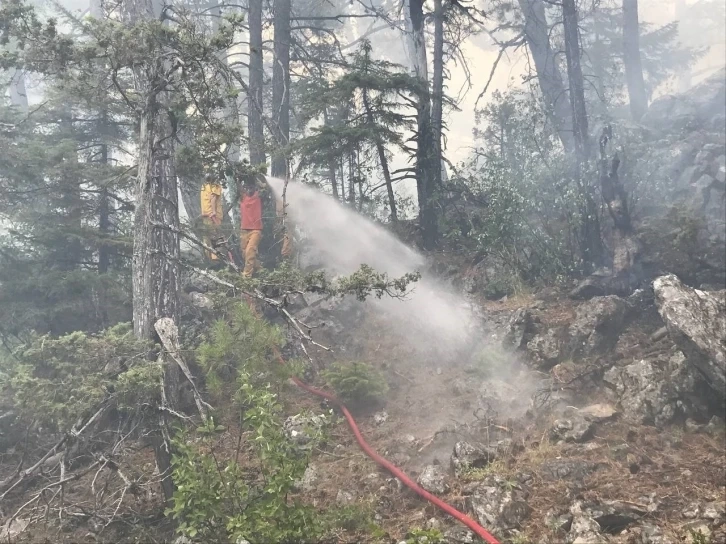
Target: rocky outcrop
<point x="696" y="321"/>
<point x="597" y="325"/>
<point x="498" y="504"/>
<point x="433" y="479"/>
<point x="655" y="391"/>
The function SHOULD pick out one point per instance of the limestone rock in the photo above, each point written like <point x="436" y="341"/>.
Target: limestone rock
<point x="597" y="325"/>
<point x="433" y="479"/>
<point x="519" y="329"/>
<point x="544" y="349"/>
<point x="572" y="429"/>
<point x="696" y="323"/>
<point x="301" y="428"/>
<point x="499" y="505"/>
<point x="466" y="456"/>
<point x="652" y="392"/>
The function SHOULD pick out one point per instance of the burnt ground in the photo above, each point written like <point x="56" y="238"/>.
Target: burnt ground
<point x="432" y="405"/>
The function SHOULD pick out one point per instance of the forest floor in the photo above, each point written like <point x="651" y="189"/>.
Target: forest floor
<point x="432" y="405"/>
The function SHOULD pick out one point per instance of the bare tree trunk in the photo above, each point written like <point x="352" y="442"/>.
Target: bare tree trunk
<point x="155" y="263"/>
<point x="425" y="177"/>
<point x="631" y="56"/>
<point x="104" y="223"/>
<point x="437" y="98"/>
<point x="536" y="33"/>
<point x="18" y="92"/>
<point x="254" y="115"/>
<point x="575" y="79"/>
<point x="281" y="86"/>
<point x="351" y="180"/>
<point x="382" y="159"/>
<point x="331" y="162"/>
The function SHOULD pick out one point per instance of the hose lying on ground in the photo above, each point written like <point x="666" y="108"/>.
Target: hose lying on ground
<point x="390" y="467"/>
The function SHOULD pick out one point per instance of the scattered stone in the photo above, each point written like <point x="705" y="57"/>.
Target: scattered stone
<point x="433" y="479"/>
<point x="651" y="534"/>
<point x="380" y="418"/>
<point x="467" y="456"/>
<point x="309" y="479"/>
<point x="692" y="511"/>
<point x="302" y="428"/>
<point x="715" y="426"/>
<point x="567" y="469"/>
<point x="715" y="511"/>
<point x="574" y="429"/>
<point x="345" y="497"/>
<point x="696" y="324"/>
<point x="584" y="529"/>
<point x="499" y="505"/>
<point x="544" y="349"/>
<point x="432" y="524"/>
<point x="241" y="540"/>
<point x="557" y="523"/>
<point x="598" y="412"/>
<point x="692" y="426"/>
<point x="459" y="535"/>
<point x="183" y="539"/>
<point x="439" y="372"/>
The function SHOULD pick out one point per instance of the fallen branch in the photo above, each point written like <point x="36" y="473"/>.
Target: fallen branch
<point x="169" y="336"/>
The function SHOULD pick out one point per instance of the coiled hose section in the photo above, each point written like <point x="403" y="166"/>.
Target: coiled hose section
<point x="381" y="461"/>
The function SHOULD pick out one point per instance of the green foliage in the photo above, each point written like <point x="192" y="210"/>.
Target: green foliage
<point x="357" y="383"/>
<point x="424" y="536"/>
<point x="698" y="537"/>
<point x="240" y="344"/>
<point x="54" y="381"/>
<point x="219" y="500"/>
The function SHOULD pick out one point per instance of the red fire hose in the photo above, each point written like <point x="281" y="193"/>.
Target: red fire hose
<point x="390" y="467"/>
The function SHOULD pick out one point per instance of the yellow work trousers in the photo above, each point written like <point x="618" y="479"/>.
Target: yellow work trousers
<point x="250" y="243"/>
<point x="210" y="234"/>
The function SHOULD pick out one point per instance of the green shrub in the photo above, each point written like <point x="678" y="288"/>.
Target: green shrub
<point x="422" y="536"/>
<point x="219" y="500"/>
<point x="357" y="383"/>
<point x="54" y="381"/>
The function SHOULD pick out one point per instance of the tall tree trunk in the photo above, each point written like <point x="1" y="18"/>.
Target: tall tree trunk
<point x="437" y="95"/>
<point x="255" y="127"/>
<point x="331" y="162"/>
<point x="18" y="92"/>
<point x="575" y="79"/>
<point x="104" y="222"/>
<point x="281" y="86"/>
<point x="155" y="262"/>
<point x="351" y="179"/>
<point x="382" y="159"/>
<point x="425" y="175"/>
<point x="631" y="57"/>
<point x="536" y="33"/>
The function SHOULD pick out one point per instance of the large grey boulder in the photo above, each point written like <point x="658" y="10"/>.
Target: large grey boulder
<point x="597" y="325"/>
<point x="654" y="392"/>
<point x="696" y="321"/>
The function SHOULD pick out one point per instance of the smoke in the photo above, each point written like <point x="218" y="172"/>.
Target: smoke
<point x="432" y="318"/>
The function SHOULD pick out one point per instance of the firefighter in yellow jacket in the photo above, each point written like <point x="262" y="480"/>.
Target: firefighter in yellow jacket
<point x="212" y="210"/>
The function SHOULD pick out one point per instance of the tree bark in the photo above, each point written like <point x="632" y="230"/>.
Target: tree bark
<point x="631" y="55"/>
<point x="104" y="222"/>
<point x="536" y="32"/>
<point x="575" y="79"/>
<point x="155" y="262"/>
<point x="18" y="92"/>
<point x="382" y="159"/>
<point x="437" y="98"/>
<point x="281" y="86"/>
<point x="424" y="172"/>
<point x="255" y="126"/>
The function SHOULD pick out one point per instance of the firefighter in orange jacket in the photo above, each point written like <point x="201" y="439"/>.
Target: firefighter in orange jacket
<point x="251" y="215"/>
